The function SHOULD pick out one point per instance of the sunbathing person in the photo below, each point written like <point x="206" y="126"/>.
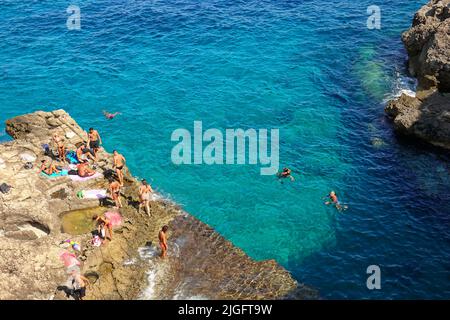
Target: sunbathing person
<point x="84" y="171"/>
<point x="59" y="144"/>
<point x="48" y="169"/>
<point x="103" y="221"/>
<point x="84" y="153"/>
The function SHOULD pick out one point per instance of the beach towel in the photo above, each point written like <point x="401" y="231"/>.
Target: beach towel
<point x="92" y="194"/>
<point x="62" y="173"/>
<point x="27" y="157"/>
<point x="114" y="217"/>
<point x="80" y="179"/>
<point x="69" y="259"/>
<point x="96" y="241"/>
<point x="71" y="156"/>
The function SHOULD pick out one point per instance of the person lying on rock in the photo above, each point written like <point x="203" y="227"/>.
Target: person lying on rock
<point x="48" y="169"/>
<point x="84" y="171"/>
<point x="84" y="153"/>
<point x="103" y="222"/>
<point x="114" y="191"/>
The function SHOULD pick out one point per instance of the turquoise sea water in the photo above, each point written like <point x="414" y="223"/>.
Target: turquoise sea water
<point x="310" y="68"/>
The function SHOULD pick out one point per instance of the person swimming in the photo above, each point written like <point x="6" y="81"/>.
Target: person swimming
<point x="110" y="116"/>
<point x="286" y="173"/>
<point x="334" y="200"/>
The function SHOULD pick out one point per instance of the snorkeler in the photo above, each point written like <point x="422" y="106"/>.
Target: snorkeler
<point x="286" y="173"/>
<point x="334" y="200"/>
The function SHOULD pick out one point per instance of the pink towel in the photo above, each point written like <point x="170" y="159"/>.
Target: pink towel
<point x="114" y="217"/>
<point x="80" y="179"/>
<point x="69" y="259"/>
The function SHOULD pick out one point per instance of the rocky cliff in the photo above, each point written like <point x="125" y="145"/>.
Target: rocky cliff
<point x="427" y="115"/>
<point x="32" y="214"/>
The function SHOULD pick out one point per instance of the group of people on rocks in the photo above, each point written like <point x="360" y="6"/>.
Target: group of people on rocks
<point x="86" y="152"/>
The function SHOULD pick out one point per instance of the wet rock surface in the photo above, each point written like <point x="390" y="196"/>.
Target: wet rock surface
<point x="31" y="234"/>
<point x="426" y="116"/>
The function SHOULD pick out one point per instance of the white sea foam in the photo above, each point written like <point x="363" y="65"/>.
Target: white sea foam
<point x="402" y="85"/>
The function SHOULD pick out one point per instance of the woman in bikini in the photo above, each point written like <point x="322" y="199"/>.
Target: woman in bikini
<point x="59" y="143"/>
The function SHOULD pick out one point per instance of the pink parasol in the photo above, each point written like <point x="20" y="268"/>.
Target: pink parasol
<point x="114" y="217"/>
<point x="69" y="259"/>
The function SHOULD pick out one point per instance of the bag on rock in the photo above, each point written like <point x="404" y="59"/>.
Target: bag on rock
<point x="4" y="188"/>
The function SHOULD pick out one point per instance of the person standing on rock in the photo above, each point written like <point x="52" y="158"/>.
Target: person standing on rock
<point x="59" y="144"/>
<point x="145" y="192"/>
<point x="163" y="241"/>
<point x="119" y="163"/>
<point x="94" y="141"/>
<point x="102" y="220"/>
<point x="114" y="191"/>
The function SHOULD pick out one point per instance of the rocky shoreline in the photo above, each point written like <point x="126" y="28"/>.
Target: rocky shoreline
<point x="202" y="262"/>
<point x="426" y="116"/>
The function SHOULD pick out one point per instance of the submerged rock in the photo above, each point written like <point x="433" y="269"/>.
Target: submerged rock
<point x="35" y="216"/>
<point x="426" y="116"/>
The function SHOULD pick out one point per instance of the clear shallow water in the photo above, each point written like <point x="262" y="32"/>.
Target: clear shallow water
<point x="310" y="68"/>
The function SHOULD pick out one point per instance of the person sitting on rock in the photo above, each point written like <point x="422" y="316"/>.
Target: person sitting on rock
<point x="84" y="153"/>
<point x="84" y="171"/>
<point x="48" y="169"/>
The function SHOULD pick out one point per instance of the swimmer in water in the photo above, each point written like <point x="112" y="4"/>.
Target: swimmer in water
<point x="110" y="116"/>
<point x="286" y="173"/>
<point x="334" y="200"/>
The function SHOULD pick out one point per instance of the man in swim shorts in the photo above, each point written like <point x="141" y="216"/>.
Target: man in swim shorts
<point x="84" y="153"/>
<point x="94" y="141"/>
<point x="114" y="190"/>
<point x="119" y="163"/>
<point x="145" y="192"/>
<point x="163" y="241"/>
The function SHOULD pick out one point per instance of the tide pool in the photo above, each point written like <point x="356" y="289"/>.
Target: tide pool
<point x="308" y="68"/>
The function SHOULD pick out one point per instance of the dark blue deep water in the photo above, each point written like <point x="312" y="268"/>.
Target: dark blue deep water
<point x="310" y="68"/>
